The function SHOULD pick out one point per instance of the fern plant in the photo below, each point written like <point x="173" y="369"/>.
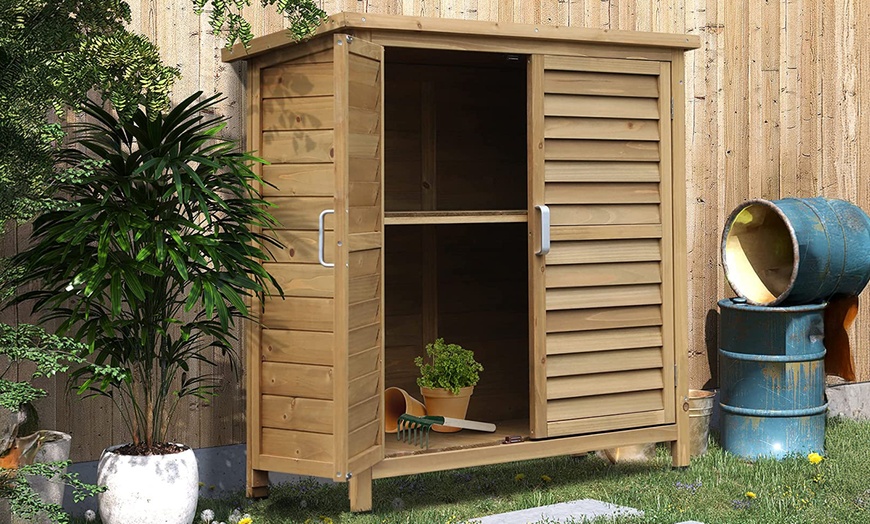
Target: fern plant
<point x="451" y="367"/>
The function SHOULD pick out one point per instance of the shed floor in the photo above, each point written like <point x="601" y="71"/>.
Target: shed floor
<point x="461" y="440"/>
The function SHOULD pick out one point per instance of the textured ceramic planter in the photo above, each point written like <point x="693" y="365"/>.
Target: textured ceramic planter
<point x="155" y="489"/>
<point x="443" y="403"/>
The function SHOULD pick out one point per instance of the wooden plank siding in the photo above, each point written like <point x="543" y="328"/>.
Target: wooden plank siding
<point x="773" y="109"/>
<point x="300" y="372"/>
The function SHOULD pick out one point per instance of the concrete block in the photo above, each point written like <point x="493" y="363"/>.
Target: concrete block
<point x="849" y="400"/>
<point x="576" y="511"/>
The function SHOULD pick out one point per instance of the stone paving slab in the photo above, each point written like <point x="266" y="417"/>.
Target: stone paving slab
<point x="576" y="511"/>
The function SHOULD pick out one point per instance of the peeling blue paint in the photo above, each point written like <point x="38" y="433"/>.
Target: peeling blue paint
<point x="772" y="374"/>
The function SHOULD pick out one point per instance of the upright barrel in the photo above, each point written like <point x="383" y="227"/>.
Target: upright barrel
<point x="796" y="251"/>
<point x="772" y="378"/>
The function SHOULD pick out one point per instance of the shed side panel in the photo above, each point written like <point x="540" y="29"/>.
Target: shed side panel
<point x="296" y="371"/>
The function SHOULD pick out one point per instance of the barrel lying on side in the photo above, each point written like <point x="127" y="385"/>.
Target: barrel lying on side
<point x="772" y="370"/>
<point x="796" y="251"/>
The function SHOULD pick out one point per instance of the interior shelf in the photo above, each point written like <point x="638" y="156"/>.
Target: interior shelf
<point x="461" y="440"/>
<point x="455" y="217"/>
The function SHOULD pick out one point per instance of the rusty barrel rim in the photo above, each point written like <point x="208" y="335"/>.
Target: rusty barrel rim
<point x="796" y="250"/>
<point x="774" y="413"/>
<point x="730" y="261"/>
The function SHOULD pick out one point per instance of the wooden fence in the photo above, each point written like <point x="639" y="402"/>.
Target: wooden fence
<point x="774" y="102"/>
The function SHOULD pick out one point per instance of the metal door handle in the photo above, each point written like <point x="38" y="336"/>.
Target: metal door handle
<point x="320" y="237"/>
<point x="545" y="229"/>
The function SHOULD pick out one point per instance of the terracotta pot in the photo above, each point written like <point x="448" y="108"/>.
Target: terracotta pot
<point x="441" y="402"/>
<point x="397" y="402"/>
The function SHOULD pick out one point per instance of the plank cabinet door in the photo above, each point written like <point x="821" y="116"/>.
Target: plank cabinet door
<point x="316" y="400"/>
<point x="601" y="298"/>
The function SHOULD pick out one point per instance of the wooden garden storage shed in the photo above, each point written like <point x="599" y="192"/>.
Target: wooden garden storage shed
<point x="516" y="189"/>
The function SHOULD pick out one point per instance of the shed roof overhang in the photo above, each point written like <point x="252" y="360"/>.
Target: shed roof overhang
<point x="351" y="22"/>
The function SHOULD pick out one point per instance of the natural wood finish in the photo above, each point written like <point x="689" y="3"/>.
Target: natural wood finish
<point x="602" y="172"/>
<point x="598" y="152"/>
<point x="620" y="338"/>
<point x="605" y="296"/>
<point x="537" y="296"/>
<point x="611" y="274"/>
<point x="301" y="414"/>
<point x="603" y="362"/>
<point x="624" y="70"/>
<point x="605" y="232"/>
<point x="301" y="213"/>
<point x="374" y="22"/>
<point x="298" y="180"/>
<point x="599" y="384"/>
<point x="601" y="129"/>
<point x="300" y="246"/>
<point x="607" y="318"/>
<point x="314" y="468"/>
<point x="602" y="405"/>
<point x="596" y="251"/>
<point x="289" y="114"/>
<point x="593" y="214"/>
<point x="679" y="307"/>
<point x="497" y="453"/>
<point x="360" y="490"/>
<point x="453" y="217"/>
<point x="608" y="423"/>
<point x="557" y="149"/>
<point x="308" y="146"/>
<point x="602" y="193"/>
<point x="299" y="347"/>
<point x="298" y="280"/>
<point x="297" y="80"/>
<point x="315" y="447"/>
<point x="603" y="84"/>
<point x="305" y="314"/>
<point x="297" y="380"/>
<point x="256" y="480"/>
<point x="600" y="107"/>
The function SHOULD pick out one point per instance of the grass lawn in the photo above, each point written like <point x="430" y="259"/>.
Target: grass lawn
<point x="714" y="490"/>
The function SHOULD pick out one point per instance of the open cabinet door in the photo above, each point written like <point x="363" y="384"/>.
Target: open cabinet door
<point x="315" y="364"/>
<point x="601" y="245"/>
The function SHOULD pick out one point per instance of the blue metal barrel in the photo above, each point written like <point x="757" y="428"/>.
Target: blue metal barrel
<point x="796" y="251"/>
<point x="772" y="378"/>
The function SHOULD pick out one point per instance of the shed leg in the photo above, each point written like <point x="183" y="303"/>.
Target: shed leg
<point x="257" y="483"/>
<point x="680" y="453"/>
<point x="361" y="491"/>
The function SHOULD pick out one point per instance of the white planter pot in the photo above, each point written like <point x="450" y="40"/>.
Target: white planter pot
<point x="155" y="489"/>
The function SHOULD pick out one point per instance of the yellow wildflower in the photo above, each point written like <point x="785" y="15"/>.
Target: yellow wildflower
<point x="815" y="458"/>
<point x="749" y="494"/>
<point x="246" y="520"/>
<point x="519" y="476"/>
<point x="546" y="478"/>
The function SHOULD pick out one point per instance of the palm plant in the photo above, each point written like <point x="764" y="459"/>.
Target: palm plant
<point x="151" y="263"/>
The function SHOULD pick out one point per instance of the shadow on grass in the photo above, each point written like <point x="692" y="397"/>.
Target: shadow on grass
<point x="315" y="501"/>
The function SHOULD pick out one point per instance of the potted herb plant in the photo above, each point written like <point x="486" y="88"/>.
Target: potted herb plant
<point x="447" y="380"/>
<point x="149" y="265"/>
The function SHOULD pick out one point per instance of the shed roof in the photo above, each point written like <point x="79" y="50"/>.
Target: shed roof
<point x="349" y="21"/>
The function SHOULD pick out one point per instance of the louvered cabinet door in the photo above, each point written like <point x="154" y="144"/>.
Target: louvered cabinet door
<point x="601" y="292"/>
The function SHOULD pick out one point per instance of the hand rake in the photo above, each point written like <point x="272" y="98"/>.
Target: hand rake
<point x="415" y="430"/>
